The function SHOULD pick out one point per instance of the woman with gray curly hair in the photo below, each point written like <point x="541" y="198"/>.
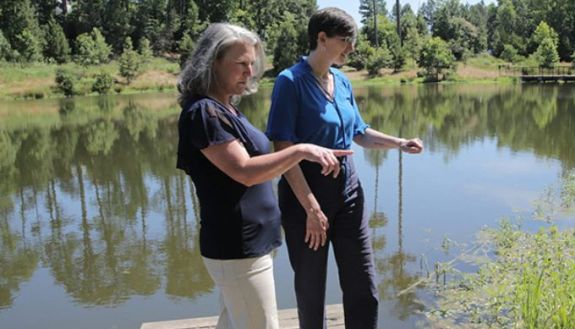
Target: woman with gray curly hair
<point x="230" y="165"/>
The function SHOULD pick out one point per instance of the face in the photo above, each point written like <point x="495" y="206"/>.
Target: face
<point x="234" y="69"/>
<point x="338" y="47"/>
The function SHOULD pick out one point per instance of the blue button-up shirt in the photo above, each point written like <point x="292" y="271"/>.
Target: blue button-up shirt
<point x="301" y="113"/>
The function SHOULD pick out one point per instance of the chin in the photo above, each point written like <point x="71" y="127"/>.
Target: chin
<point x="340" y="62"/>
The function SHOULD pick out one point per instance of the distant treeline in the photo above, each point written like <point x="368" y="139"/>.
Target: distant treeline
<point x="95" y="31"/>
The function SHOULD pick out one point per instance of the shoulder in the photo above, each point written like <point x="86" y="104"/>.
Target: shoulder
<point x="202" y="107"/>
<point x="340" y="76"/>
<point x="293" y="73"/>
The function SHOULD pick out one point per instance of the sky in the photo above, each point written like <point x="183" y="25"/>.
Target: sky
<point x="352" y="6"/>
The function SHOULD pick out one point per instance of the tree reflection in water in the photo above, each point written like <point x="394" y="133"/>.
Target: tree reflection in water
<point x="89" y="188"/>
<point x="93" y="180"/>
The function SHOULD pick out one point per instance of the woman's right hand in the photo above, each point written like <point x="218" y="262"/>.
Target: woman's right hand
<point x="327" y="158"/>
<point x="316" y="228"/>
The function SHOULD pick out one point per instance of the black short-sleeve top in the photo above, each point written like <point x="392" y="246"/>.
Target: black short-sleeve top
<point x="236" y="221"/>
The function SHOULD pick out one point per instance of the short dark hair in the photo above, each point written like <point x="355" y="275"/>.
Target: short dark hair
<point x="333" y="21"/>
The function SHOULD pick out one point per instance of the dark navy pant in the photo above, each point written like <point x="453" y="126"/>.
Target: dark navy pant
<point x="342" y="201"/>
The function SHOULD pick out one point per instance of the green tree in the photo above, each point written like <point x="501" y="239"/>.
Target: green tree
<point x="286" y="50"/>
<point x="544" y="31"/>
<point x="505" y="31"/>
<point x="435" y="57"/>
<point x="385" y="34"/>
<point x="186" y="47"/>
<point x="546" y="53"/>
<point x="427" y="11"/>
<point x="366" y="9"/>
<point x="66" y="81"/>
<point x="363" y="51"/>
<point x="130" y="62"/>
<point x="465" y="38"/>
<point x="398" y="58"/>
<point x="444" y="13"/>
<point x="6" y="51"/>
<point x="56" y="47"/>
<point x="29" y="46"/>
<point x="145" y="50"/>
<point x="379" y="59"/>
<point x="92" y="48"/>
<point x="116" y="26"/>
<point x="103" y="83"/>
<point x="20" y="26"/>
<point x="371" y="11"/>
<point x="216" y="11"/>
<point x="243" y="18"/>
<point x="509" y="53"/>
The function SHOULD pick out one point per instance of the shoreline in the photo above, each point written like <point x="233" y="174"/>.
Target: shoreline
<point x="37" y="81"/>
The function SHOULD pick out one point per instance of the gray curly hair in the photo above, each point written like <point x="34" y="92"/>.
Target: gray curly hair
<point x="197" y="76"/>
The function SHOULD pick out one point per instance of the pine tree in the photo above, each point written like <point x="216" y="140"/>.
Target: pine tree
<point x="546" y="53"/>
<point x="366" y="9"/>
<point x="186" y="46"/>
<point x="6" y="52"/>
<point x="145" y="51"/>
<point x="56" y="47"/>
<point x="286" y="50"/>
<point x="92" y="48"/>
<point x="116" y="26"/>
<point x="20" y="26"/>
<point x="130" y="62"/>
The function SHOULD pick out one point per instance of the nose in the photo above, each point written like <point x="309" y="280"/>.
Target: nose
<point x="351" y="46"/>
<point x="249" y="71"/>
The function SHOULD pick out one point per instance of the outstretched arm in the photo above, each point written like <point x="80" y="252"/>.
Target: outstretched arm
<point x="233" y="159"/>
<point x="377" y="140"/>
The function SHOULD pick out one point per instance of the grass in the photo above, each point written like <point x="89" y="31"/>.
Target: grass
<point x="19" y="81"/>
<point x="524" y="280"/>
<point x="36" y="80"/>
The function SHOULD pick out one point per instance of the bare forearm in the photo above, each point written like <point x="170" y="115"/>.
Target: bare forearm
<point x="376" y="139"/>
<point x="261" y="168"/>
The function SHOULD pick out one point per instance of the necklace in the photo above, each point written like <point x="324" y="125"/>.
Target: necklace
<point x="323" y="84"/>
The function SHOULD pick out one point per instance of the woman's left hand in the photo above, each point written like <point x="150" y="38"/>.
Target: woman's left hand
<point x="414" y="145"/>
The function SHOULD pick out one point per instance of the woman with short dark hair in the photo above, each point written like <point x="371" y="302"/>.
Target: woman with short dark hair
<point x="313" y="102"/>
<point x="229" y="162"/>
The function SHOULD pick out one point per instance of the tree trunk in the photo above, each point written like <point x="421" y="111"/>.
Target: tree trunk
<point x="375" y="23"/>
<point x="398" y="16"/>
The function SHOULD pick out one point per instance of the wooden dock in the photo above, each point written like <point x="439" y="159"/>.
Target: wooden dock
<point x="547" y="78"/>
<point x="288" y="320"/>
<point x="539" y="74"/>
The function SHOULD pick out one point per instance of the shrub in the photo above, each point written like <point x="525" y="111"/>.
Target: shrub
<point x="66" y="82"/>
<point x="546" y="53"/>
<point x="358" y="59"/>
<point x="435" y="57"/>
<point x="509" y="53"/>
<point x="103" y="83"/>
<point x="130" y="62"/>
<point x="381" y="58"/>
<point x="92" y="48"/>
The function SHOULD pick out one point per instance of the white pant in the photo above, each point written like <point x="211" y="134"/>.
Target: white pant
<point x="247" y="292"/>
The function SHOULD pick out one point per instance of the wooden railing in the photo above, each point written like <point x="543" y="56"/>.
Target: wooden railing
<point x="536" y="71"/>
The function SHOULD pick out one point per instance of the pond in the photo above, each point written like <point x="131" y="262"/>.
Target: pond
<point x="99" y="230"/>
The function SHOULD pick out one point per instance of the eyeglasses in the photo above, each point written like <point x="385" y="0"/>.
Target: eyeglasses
<point x="349" y="39"/>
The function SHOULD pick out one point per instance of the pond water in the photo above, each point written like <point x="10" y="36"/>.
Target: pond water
<point x="99" y="230"/>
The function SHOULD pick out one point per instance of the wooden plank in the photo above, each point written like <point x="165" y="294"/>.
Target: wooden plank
<point x="287" y="318"/>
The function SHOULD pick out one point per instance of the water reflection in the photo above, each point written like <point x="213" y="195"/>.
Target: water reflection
<point x="76" y="197"/>
<point x="89" y="187"/>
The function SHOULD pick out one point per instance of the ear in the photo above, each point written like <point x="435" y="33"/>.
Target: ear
<point x="321" y="38"/>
